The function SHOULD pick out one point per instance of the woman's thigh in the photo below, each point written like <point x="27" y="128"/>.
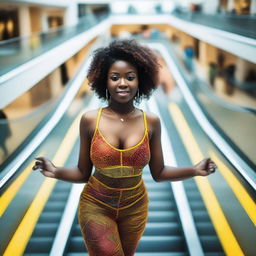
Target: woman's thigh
<point x="99" y="230"/>
<point x="131" y="225"/>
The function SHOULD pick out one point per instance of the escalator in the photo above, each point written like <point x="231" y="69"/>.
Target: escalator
<point x="164" y="233"/>
<point x="41" y="241"/>
<point x="208" y="238"/>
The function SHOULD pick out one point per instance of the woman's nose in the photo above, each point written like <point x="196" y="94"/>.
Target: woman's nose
<point x="122" y="81"/>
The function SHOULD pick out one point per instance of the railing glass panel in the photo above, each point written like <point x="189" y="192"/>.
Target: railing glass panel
<point x="17" y="51"/>
<point x="235" y="123"/>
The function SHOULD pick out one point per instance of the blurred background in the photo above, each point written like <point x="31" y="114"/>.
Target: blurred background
<point x="206" y="99"/>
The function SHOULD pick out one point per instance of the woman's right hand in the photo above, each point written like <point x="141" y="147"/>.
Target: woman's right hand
<point x="47" y="168"/>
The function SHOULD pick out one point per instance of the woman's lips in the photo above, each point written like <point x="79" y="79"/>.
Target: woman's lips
<point x="124" y="93"/>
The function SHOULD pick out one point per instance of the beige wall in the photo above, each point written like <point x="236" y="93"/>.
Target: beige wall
<point x="35" y="17"/>
<point x="186" y="40"/>
<point x="207" y="53"/>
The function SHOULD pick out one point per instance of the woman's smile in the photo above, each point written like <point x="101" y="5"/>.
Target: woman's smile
<point x="123" y="93"/>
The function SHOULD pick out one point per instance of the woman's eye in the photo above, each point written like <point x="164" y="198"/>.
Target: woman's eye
<point x="114" y="78"/>
<point x="130" y="78"/>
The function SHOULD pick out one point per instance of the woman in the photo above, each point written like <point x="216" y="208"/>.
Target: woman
<point x="119" y="140"/>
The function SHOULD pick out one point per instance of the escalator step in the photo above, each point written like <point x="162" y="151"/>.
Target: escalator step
<point x="76" y="244"/>
<point x="161" y="254"/>
<point x="192" y="195"/>
<point x="156" y="185"/>
<point x="201" y="216"/>
<point x="137" y="254"/>
<point x="36" y="254"/>
<point x="147" y="244"/>
<point x="162" y="206"/>
<point x="210" y="244"/>
<point x="159" y="196"/>
<point x="63" y="185"/>
<point x="214" y="253"/>
<point x="45" y="229"/>
<point x="39" y="244"/>
<point x="55" y="206"/>
<point x="76" y="254"/>
<point x="162" y="216"/>
<point x="196" y="205"/>
<point x="65" y="188"/>
<point x="58" y="197"/>
<point x="50" y="217"/>
<point x="162" y="229"/>
<point x="205" y="228"/>
<point x="161" y="244"/>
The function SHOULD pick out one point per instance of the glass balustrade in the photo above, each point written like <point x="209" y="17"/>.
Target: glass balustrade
<point x="17" y="51"/>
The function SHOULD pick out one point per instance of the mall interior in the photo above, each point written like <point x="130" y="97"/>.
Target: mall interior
<point x="205" y="99"/>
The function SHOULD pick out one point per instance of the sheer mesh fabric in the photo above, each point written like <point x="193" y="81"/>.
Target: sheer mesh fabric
<point x="114" y="203"/>
<point x="103" y="155"/>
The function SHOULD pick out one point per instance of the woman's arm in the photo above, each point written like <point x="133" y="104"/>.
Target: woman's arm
<point x="160" y="172"/>
<point x="79" y="173"/>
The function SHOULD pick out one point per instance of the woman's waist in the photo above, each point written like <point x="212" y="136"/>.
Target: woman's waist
<point x="118" y="171"/>
<point x="116" y="197"/>
<point x="119" y="177"/>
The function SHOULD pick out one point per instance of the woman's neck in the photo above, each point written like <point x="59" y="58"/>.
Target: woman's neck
<point x="121" y="108"/>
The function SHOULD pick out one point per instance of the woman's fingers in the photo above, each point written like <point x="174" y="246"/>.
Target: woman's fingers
<point x="39" y="163"/>
<point x="41" y="158"/>
<point x="35" y="167"/>
<point x="212" y="166"/>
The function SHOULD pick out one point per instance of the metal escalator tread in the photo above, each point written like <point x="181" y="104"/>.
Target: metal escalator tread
<point x="163" y="234"/>
<point x="43" y="235"/>
<point x="139" y="254"/>
<point x="207" y="235"/>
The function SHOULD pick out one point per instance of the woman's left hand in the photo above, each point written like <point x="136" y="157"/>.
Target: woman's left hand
<point x="205" y="167"/>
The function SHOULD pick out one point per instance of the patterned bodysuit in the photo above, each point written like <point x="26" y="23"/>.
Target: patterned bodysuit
<point x="114" y="203"/>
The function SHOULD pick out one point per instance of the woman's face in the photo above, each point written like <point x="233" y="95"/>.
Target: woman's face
<point x="122" y="81"/>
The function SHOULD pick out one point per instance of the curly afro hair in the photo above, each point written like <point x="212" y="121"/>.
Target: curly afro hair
<point x="141" y="57"/>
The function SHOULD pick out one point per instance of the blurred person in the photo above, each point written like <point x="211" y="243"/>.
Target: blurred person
<point x="188" y="58"/>
<point x="5" y="132"/>
<point x="145" y="31"/>
<point x="119" y="140"/>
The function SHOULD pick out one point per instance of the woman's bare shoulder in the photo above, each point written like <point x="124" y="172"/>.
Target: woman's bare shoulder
<point x="89" y="118"/>
<point x="153" y="121"/>
<point x="90" y="114"/>
<point x="152" y="117"/>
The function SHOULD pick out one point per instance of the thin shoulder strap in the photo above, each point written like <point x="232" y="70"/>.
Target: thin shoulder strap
<point x="98" y="118"/>
<point x="145" y="121"/>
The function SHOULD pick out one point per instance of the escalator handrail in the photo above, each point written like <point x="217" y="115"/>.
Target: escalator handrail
<point x="53" y="120"/>
<point x="185" y="214"/>
<point x="53" y="30"/>
<point x="67" y="219"/>
<point x="244" y="169"/>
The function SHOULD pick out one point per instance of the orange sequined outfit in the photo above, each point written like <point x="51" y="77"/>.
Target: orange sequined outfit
<point x="113" y="205"/>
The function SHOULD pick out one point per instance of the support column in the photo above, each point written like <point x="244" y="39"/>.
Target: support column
<point x="24" y="21"/>
<point x="186" y="40"/>
<point x="55" y="83"/>
<point x="230" y="5"/>
<point x="35" y="14"/>
<point x="71" y="15"/>
<point x="242" y="68"/>
<point x="210" y="7"/>
<point x="253" y="7"/>
<point x="44" y="21"/>
<point x="207" y="53"/>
